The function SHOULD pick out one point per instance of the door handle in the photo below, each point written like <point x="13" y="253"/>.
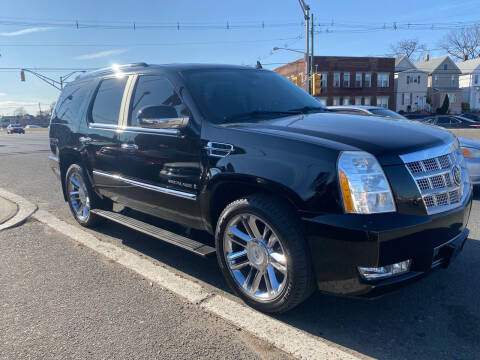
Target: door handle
<point x="129" y="147"/>
<point x="84" y="139"/>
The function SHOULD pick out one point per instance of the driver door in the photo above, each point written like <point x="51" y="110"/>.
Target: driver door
<point x="160" y="156"/>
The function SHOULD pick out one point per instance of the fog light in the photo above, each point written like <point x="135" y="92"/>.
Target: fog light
<point x="373" y="273"/>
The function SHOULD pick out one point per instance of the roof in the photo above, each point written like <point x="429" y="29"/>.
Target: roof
<point x="432" y="64"/>
<point x="399" y="59"/>
<point x="469" y="66"/>
<point x="143" y="67"/>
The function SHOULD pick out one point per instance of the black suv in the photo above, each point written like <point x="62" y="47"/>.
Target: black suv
<point x="296" y="197"/>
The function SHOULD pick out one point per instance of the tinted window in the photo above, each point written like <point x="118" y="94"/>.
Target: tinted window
<point x="106" y="106"/>
<point x="70" y="104"/>
<point x="154" y="91"/>
<point x="223" y="93"/>
<point x="443" y="120"/>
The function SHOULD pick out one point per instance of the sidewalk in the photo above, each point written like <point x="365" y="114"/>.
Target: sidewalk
<point x="7" y="210"/>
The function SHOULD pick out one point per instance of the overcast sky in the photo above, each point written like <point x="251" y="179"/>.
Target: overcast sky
<point x="28" y="45"/>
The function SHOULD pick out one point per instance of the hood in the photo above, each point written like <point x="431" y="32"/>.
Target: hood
<point x="382" y="137"/>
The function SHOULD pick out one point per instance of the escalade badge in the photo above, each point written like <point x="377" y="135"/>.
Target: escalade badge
<point x="457" y="175"/>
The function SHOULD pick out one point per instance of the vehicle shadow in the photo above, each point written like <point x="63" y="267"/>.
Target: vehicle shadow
<point x="436" y="317"/>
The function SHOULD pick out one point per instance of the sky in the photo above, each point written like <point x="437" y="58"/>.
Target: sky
<point x="41" y="34"/>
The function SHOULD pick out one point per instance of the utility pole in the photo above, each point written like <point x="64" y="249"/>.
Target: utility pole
<point x="311" y="51"/>
<point x="306" y="15"/>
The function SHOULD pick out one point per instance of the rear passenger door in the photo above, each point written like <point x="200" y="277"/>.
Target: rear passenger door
<point x="162" y="164"/>
<point x="99" y="137"/>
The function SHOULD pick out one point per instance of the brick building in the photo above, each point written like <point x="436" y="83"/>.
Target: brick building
<point x="347" y="80"/>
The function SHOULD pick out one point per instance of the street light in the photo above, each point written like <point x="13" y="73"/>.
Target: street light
<point x="306" y="14"/>
<point x="294" y="50"/>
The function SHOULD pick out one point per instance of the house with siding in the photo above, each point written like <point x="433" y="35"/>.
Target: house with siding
<point x="469" y="82"/>
<point x="410" y="86"/>
<point x="443" y="76"/>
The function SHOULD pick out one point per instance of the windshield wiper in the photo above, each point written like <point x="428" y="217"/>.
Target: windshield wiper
<point x="255" y="113"/>
<point x="307" y="109"/>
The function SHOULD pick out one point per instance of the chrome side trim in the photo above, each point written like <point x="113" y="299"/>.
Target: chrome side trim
<point x="146" y="186"/>
<point x="219" y="150"/>
<point x="54" y="158"/>
<point x="172" y="132"/>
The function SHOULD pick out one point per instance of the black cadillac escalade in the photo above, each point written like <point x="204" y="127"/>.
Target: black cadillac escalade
<point x="297" y="197"/>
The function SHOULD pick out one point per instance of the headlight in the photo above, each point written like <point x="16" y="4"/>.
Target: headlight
<point x="470" y="153"/>
<point x="364" y="187"/>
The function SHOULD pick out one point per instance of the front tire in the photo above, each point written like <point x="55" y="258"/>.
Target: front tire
<point x="263" y="253"/>
<point x="81" y="197"/>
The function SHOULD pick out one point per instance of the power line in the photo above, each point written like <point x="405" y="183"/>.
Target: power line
<point x="142" y="44"/>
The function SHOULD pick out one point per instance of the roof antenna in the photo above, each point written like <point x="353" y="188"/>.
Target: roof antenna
<point x="258" y="65"/>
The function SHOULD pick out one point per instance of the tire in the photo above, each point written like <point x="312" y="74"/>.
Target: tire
<point x="84" y="198"/>
<point x="276" y="252"/>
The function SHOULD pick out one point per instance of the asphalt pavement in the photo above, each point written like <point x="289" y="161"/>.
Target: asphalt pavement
<point x="437" y="317"/>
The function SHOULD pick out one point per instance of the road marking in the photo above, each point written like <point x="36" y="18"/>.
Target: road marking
<point x="285" y="337"/>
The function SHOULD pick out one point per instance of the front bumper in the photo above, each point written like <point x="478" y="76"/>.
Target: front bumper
<point x="341" y="243"/>
<point x="473" y="166"/>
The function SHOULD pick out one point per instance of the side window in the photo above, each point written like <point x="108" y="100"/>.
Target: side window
<point x="155" y="91"/>
<point x="69" y="107"/>
<point x="106" y="106"/>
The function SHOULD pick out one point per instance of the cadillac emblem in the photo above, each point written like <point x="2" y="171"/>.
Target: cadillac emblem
<point x="456" y="175"/>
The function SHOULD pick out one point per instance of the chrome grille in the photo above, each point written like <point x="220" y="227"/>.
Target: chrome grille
<point x="434" y="173"/>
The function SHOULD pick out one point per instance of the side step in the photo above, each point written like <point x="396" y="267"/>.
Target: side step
<point x="156" y="232"/>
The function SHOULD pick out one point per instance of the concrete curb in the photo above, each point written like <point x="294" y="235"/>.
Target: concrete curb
<point x="8" y="210"/>
<point x="25" y="209"/>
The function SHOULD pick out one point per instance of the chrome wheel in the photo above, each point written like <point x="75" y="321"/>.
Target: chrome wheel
<point x="255" y="257"/>
<point x="78" y="196"/>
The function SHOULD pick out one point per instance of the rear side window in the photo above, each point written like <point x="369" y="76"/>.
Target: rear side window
<point x="70" y="105"/>
<point x="154" y="90"/>
<point x="106" y="106"/>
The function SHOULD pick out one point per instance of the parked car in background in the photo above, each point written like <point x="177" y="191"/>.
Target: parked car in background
<point x="415" y="116"/>
<point x="474" y="117"/>
<point x="366" y="110"/>
<point x="451" y="122"/>
<point x="33" y="127"/>
<point x="15" y="129"/>
<point x="471" y="152"/>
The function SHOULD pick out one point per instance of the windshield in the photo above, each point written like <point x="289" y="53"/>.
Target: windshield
<point x="387" y="113"/>
<point x="235" y="95"/>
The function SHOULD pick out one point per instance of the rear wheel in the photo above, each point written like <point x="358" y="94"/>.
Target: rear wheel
<point x="263" y="254"/>
<point x="81" y="197"/>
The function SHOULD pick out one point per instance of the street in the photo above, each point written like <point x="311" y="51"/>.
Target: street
<point x="60" y="300"/>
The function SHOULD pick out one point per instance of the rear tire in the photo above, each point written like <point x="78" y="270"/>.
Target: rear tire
<point x="263" y="254"/>
<point x="81" y="198"/>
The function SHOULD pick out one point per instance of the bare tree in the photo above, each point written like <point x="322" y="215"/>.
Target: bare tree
<point x="410" y="48"/>
<point x="464" y="42"/>
<point x="20" y="111"/>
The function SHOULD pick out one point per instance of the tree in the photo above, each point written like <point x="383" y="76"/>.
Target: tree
<point x="410" y="48"/>
<point x="446" y="104"/>
<point x="20" y="111"/>
<point x="463" y="42"/>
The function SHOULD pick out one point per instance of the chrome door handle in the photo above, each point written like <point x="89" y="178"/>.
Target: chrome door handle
<point x="129" y="147"/>
<point x="84" y="139"/>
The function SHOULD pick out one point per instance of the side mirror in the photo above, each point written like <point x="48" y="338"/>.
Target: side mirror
<point x="160" y="117"/>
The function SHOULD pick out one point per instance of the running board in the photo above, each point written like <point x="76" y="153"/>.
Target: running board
<point x="156" y="232"/>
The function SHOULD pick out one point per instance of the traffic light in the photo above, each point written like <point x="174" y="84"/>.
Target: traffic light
<point x="316" y="84"/>
<point x="22" y="75"/>
<point x="297" y="80"/>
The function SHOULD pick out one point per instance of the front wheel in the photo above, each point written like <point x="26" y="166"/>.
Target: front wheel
<point x="263" y="254"/>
